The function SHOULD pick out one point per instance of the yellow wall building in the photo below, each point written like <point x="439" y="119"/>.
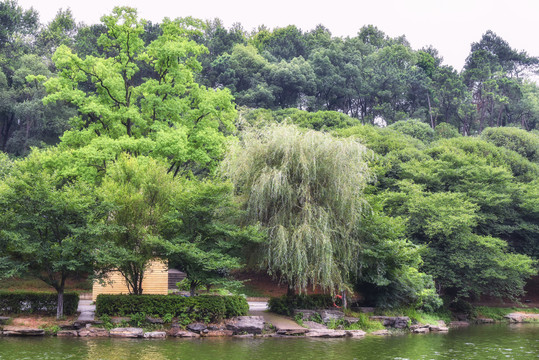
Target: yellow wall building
<point x="155" y="281"/>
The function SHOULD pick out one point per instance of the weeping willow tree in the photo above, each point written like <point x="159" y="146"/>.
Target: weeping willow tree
<point x="306" y="189"/>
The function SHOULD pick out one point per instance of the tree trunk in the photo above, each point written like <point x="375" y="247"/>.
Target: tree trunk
<point x="344" y="300"/>
<point x="193" y="287"/>
<point x="430" y="112"/>
<point x="4" y="131"/>
<point x="291" y="291"/>
<point x="60" y="308"/>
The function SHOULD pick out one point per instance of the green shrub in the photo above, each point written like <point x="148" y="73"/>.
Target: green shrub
<point x="138" y="319"/>
<point x="204" y="308"/>
<point x="446" y="131"/>
<point x="286" y="304"/>
<point x="366" y="324"/>
<point x="36" y="302"/>
<point x="414" y="128"/>
<point x="523" y="142"/>
<point x="235" y="306"/>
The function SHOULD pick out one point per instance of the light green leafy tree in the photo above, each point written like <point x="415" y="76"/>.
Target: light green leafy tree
<point x="140" y="194"/>
<point x="187" y="123"/>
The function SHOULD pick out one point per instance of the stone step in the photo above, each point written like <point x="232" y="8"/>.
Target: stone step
<point x="22" y="331"/>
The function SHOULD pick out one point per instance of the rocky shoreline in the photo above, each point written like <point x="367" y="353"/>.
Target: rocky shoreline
<point x="253" y="327"/>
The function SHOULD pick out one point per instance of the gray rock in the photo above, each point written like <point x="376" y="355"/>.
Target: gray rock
<point x="328" y="315"/>
<point x="93" y="332"/>
<point x="355" y="333"/>
<point x="176" y="332"/>
<point x="155" y="335"/>
<point x="129" y="332"/>
<point x="314" y="325"/>
<point x="326" y="333"/>
<point x="216" y="327"/>
<point x="422" y="330"/>
<point x="67" y="333"/>
<point x="218" y="333"/>
<point x="292" y="331"/>
<point x="484" y="321"/>
<point x="418" y="326"/>
<point x="380" y="332"/>
<point x="437" y="328"/>
<point x="80" y="324"/>
<point x="197" y="327"/>
<point x="69" y="327"/>
<point x="351" y="320"/>
<point x="246" y="324"/>
<point x="397" y="322"/>
<point x="22" y="331"/>
<point x="152" y="320"/>
<point x="306" y="313"/>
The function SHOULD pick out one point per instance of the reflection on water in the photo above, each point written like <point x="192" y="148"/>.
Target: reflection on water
<point x="477" y="342"/>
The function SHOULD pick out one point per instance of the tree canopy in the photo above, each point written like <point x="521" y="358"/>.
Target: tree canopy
<point x="306" y="188"/>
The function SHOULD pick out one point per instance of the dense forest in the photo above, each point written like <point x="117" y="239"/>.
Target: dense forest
<point x="346" y="163"/>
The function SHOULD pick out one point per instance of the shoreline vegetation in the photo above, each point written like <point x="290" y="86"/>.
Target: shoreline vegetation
<point x="218" y="316"/>
<point x="251" y="326"/>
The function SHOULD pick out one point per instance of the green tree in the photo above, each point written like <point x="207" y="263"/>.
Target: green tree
<point x="139" y="192"/>
<point x="60" y="31"/>
<point x="17" y="24"/>
<point x="464" y="264"/>
<point x="521" y="141"/>
<point x="187" y="122"/>
<point x="492" y="73"/>
<point x="388" y="265"/>
<point x="207" y="241"/>
<point x="49" y="224"/>
<point x="282" y="43"/>
<point x="24" y="120"/>
<point x="306" y="189"/>
<point x="414" y="128"/>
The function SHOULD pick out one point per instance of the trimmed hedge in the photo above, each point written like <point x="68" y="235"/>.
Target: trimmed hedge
<point x="19" y="302"/>
<point x="285" y="305"/>
<point x="204" y="308"/>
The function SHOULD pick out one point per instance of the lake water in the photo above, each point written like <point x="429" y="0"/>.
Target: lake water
<point x="476" y="342"/>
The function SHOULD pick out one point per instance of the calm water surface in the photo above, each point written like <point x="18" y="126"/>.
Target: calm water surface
<point x="477" y="342"/>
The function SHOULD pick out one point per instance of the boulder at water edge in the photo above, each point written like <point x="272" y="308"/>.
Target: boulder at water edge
<point x="129" y="332"/>
<point x="67" y="333"/>
<point x="155" y="335"/>
<point x="246" y="324"/>
<point x="22" y="331"/>
<point x="93" y="332"/>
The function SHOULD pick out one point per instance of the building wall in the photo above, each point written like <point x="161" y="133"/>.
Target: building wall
<point x="155" y="281"/>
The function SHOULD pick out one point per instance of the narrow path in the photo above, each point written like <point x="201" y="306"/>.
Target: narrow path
<point x="257" y="305"/>
<point x="282" y="324"/>
<point x="87" y="311"/>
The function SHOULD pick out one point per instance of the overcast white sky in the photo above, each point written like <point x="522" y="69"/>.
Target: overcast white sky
<point x="449" y="25"/>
